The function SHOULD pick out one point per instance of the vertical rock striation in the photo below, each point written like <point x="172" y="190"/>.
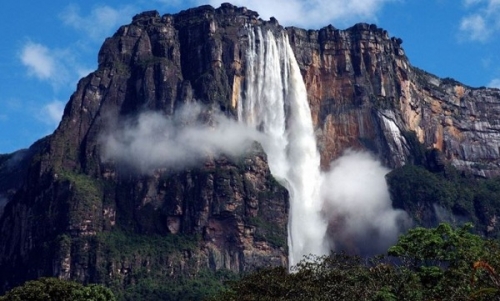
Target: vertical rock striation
<point x="365" y="94"/>
<point x="68" y="213"/>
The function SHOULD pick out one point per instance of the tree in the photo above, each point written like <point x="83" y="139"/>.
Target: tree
<point x="53" y="289"/>
<point x="441" y="263"/>
<point x="442" y="258"/>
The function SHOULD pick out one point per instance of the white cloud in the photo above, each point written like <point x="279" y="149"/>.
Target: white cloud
<point x="101" y="22"/>
<point x="155" y="141"/>
<point x="313" y="13"/>
<point x="468" y="3"/>
<point x="495" y="83"/>
<point x="38" y="59"/>
<point x="59" y="67"/>
<point x="52" y="112"/>
<point x="358" y="206"/>
<point x="474" y="28"/>
<point x="82" y="71"/>
<point x="172" y="3"/>
<point x="483" y="20"/>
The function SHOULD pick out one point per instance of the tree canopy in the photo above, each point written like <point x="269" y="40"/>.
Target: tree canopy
<point x="441" y="263"/>
<point x="53" y="289"/>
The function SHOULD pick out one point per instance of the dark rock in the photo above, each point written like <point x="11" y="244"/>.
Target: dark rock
<point x="64" y="205"/>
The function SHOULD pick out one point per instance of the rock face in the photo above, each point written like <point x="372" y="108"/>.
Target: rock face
<point x="365" y="94"/>
<point x="67" y="211"/>
<point x="70" y="208"/>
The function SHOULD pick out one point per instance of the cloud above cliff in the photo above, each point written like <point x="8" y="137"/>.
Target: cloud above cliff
<point x="58" y="67"/>
<point x="100" y="21"/>
<point x="52" y="112"/>
<point x="313" y="14"/>
<point x="482" y="21"/>
<point x="358" y="207"/>
<point x="495" y="83"/>
<point x="38" y="59"/>
<point x="153" y="140"/>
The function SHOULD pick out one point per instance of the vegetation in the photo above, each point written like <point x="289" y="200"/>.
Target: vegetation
<point x="120" y="243"/>
<point x="463" y="197"/>
<point x="426" y="264"/>
<point x="86" y="195"/>
<point x="441" y="263"/>
<point x="267" y="231"/>
<point x="53" y="289"/>
<point x="207" y="283"/>
<point x="154" y="267"/>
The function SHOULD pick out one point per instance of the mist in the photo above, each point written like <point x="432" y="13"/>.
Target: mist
<point x="345" y="208"/>
<point x="354" y="211"/>
<point x="193" y="134"/>
<point x="357" y="206"/>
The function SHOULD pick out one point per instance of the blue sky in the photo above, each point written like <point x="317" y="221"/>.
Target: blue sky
<point x="46" y="48"/>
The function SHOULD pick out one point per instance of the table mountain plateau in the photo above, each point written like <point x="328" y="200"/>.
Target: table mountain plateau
<point x="105" y="198"/>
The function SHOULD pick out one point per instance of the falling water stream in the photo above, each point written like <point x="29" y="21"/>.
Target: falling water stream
<point x="275" y="101"/>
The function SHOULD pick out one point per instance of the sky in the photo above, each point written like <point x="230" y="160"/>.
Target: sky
<point x="46" y="48"/>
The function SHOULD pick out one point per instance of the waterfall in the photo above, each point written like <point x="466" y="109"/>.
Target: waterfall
<point x="274" y="100"/>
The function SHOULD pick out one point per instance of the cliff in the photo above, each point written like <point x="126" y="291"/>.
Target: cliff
<point x="73" y="214"/>
<point x="70" y="213"/>
<point x="364" y="93"/>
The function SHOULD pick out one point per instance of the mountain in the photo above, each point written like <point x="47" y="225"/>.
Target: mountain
<point x="112" y="197"/>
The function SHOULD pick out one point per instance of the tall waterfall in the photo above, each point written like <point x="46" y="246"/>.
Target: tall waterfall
<point x="274" y="100"/>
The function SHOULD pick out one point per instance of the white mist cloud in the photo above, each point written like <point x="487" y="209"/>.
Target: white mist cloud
<point x="100" y="22"/>
<point x="474" y="28"/>
<point x="483" y="21"/>
<point x="471" y="2"/>
<point x="313" y="13"/>
<point x="358" y="207"/>
<point x="173" y="3"/>
<point x="39" y="60"/>
<point x="155" y="141"/>
<point x="52" y="112"/>
<point x="59" y="67"/>
<point x="494" y="83"/>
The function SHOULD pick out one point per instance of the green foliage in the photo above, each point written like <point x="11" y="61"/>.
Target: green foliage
<point x="84" y="184"/>
<point x="148" y="267"/>
<point x="267" y="231"/>
<point x="87" y="195"/>
<point x="441" y="245"/>
<point x="53" y="289"/>
<point x="441" y="257"/>
<point x="207" y="283"/>
<point x="426" y="264"/>
<point x="124" y="244"/>
<point x="416" y="190"/>
<point x="335" y="277"/>
<point x="411" y="185"/>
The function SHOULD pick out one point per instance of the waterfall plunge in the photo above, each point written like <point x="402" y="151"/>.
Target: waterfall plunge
<point x="346" y="208"/>
<point x="275" y="102"/>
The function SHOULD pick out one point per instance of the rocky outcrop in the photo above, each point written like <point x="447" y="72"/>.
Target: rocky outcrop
<point x="365" y="94"/>
<point x="70" y="209"/>
<point x="69" y="212"/>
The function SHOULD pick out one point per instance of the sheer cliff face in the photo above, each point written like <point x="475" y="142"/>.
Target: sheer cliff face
<point x="222" y="212"/>
<point x="363" y="94"/>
